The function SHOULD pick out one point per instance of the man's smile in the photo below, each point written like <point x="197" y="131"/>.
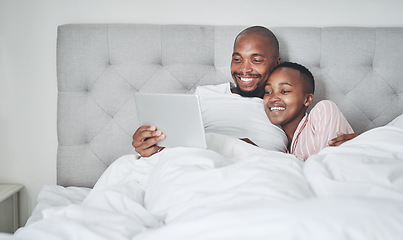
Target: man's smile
<point x="247" y="79"/>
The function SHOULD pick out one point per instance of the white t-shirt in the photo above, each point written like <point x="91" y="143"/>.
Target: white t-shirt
<point x="241" y="117"/>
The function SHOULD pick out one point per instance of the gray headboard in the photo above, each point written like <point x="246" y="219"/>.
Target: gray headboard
<point x="101" y="66"/>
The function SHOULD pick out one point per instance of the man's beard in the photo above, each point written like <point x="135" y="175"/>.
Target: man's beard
<point x="253" y="93"/>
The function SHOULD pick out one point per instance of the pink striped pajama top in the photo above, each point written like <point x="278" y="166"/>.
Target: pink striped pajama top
<point x="317" y="128"/>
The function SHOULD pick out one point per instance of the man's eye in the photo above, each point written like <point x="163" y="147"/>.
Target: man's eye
<point x="257" y="61"/>
<point x="236" y="59"/>
<point x="267" y="92"/>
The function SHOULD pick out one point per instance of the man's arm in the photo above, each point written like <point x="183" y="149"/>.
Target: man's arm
<point x="342" y="138"/>
<point x="145" y="140"/>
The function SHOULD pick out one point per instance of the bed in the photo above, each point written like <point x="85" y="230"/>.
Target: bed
<point x="232" y="190"/>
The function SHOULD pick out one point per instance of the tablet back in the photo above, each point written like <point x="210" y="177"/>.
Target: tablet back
<point x="178" y="116"/>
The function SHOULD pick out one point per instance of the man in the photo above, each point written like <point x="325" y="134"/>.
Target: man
<point x="235" y="110"/>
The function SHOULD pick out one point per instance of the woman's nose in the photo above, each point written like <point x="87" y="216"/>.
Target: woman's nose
<point x="274" y="97"/>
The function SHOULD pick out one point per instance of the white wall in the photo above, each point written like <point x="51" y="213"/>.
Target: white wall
<point x="28" y="90"/>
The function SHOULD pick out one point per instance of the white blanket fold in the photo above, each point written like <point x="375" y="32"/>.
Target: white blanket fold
<point x="234" y="190"/>
<point x="370" y="165"/>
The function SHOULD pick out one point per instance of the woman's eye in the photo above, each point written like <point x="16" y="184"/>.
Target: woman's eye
<point x="284" y="91"/>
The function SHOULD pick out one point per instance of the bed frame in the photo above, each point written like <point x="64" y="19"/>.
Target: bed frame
<point x="101" y="66"/>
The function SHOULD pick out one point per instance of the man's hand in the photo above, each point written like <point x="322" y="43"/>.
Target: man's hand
<point x="341" y="138"/>
<point x="145" y="140"/>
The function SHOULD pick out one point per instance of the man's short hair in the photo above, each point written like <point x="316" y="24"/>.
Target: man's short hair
<point x="306" y="74"/>
<point x="264" y="32"/>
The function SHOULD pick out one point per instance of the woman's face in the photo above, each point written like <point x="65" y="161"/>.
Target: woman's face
<point x="285" y="99"/>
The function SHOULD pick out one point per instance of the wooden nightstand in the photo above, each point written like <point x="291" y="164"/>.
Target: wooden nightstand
<point x="9" y="207"/>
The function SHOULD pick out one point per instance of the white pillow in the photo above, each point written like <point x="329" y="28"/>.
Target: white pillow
<point x="397" y="122"/>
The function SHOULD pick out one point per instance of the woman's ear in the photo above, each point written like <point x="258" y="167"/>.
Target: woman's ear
<point x="308" y="99"/>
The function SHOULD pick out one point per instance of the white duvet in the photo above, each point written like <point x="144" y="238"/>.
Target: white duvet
<point x="237" y="191"/>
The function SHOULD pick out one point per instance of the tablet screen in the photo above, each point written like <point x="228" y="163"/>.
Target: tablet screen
<point x="178" y="116"/>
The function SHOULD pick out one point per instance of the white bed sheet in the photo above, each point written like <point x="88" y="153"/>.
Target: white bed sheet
<point x="54" y="196"/>
<point x="239" y="191"/>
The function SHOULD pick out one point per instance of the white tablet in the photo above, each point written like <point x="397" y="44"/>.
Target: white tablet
<point x="178" y="116"/>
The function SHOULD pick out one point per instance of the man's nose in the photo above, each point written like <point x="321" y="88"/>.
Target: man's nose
<point x="246" y="67"/>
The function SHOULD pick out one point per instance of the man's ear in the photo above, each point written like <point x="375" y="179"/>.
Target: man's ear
<point x="278" y="61"/>
<point x="308" y="99"/>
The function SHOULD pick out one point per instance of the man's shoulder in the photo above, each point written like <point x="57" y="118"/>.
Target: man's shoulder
<point x="217" y="88"/>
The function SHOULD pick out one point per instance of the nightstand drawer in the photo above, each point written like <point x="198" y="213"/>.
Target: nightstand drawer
<point x="9" y="207"/>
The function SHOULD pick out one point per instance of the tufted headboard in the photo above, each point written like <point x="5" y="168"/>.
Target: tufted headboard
<point x="101" y="66"/>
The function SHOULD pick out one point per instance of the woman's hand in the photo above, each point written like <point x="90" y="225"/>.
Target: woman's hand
<point x="342" y="138"/>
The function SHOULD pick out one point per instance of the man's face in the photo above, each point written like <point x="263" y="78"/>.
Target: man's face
<point x="253" y="60"/>
<point x="285" y="100"/>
